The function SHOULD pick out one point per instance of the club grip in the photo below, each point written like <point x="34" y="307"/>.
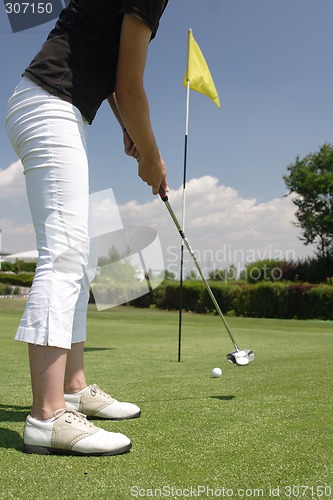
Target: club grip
<point x="163" y="195"/>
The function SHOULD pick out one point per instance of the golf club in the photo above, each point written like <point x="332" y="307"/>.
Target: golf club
<point x="238" y="357"/>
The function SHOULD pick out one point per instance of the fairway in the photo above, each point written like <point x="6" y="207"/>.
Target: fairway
<point x="260" y="431"/>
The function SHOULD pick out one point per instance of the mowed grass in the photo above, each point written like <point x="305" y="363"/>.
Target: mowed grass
<point x="257" y="428"/>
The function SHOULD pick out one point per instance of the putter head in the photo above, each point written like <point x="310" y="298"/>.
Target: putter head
<point x="250" y="354"/>
<point x="241" y="358"/>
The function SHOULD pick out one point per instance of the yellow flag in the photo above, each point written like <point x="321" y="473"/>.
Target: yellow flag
<point x="198" y="73"/>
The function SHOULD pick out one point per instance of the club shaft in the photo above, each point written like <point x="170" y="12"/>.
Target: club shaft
<point x="209" y="290"/>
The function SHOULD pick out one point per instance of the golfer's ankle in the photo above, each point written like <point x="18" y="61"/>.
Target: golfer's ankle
<point x="41" y="413"/>
<point x="74" y="381"/>
<point x="73" y="388"/>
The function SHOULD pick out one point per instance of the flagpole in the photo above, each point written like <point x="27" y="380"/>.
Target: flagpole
<point x="181" y="273"/>
<point x="199" y="78"/>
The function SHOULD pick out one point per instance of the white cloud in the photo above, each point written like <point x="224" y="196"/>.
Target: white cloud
<point x="12" y="181"/>
<point x="222" y="226"/>
<point x="17" y="237"/>
<point x="17" y="233"/>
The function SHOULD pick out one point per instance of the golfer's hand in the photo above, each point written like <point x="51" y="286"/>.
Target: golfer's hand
<point x="129" y="147"/>
<point x="153" y="173"/>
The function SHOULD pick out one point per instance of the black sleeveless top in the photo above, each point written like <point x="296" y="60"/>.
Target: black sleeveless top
<point x="78" y="61"/>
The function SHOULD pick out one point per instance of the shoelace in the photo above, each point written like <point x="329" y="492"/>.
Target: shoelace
<point x="80" y="416"/>
<point x="94" y="389"/>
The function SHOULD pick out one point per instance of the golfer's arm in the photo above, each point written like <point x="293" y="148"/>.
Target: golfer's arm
<point x="131" y="97"/>
<point x="112" y="100"/>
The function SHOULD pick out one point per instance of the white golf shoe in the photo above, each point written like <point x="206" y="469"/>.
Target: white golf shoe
<point x="70" y="433"/>
<point x="94" y="402"/>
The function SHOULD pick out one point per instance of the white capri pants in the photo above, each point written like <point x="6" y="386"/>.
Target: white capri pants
<point x="49" y="136"/>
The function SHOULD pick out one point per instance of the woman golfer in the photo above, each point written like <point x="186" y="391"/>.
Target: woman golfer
<point x="96" y="51"/>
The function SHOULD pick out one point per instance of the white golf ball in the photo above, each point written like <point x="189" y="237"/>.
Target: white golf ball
<point x="216" y="372"/>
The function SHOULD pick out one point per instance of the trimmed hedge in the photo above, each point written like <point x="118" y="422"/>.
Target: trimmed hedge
<point x="21" y="279"/>
<point x="288" y="301"/>
<point x="263" y="300"/>
<point x="195" y="297"/>
<point x="6" y="290"/>
<point x="302" y="270"/>
<point x="19" y="266"/>
<point x="260" y="301"/>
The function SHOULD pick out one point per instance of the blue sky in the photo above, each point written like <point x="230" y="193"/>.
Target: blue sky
<point x="271" y="61"/>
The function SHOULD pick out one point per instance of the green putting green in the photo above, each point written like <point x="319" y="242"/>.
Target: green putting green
<point x="259" y="431"/>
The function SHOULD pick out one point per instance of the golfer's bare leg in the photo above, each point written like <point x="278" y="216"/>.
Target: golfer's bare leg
<point x="75" y="379"/>
<point x="47" y="368"/>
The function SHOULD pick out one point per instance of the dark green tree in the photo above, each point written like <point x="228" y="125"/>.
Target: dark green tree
<point x="227" y="274"/>
<point x="310" y="180"/>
